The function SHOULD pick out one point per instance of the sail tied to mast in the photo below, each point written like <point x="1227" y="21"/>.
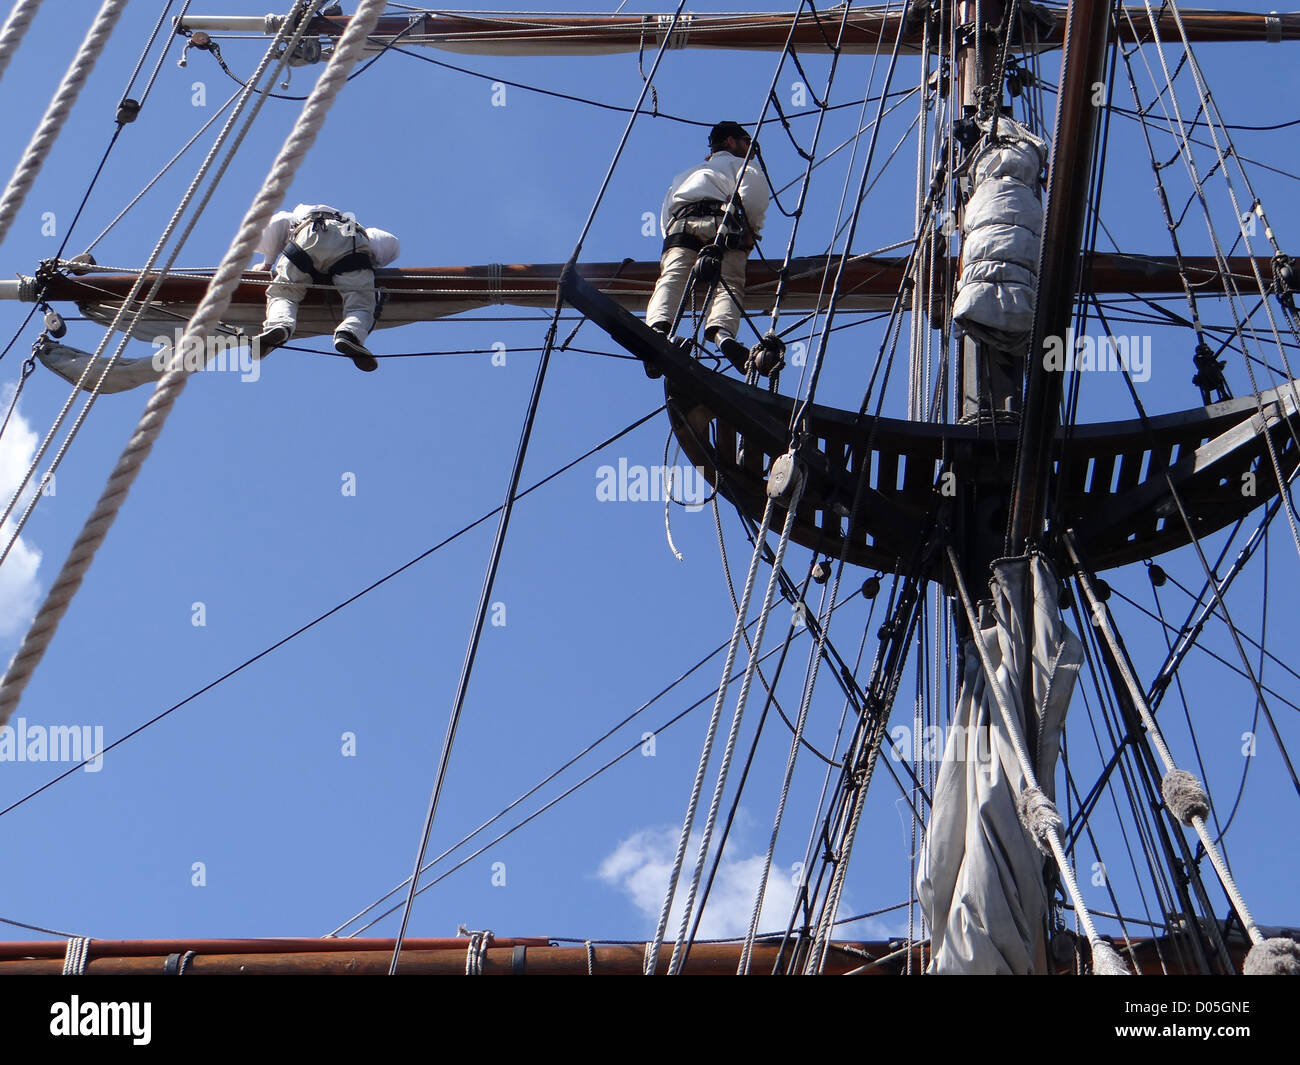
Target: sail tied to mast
<point x="1001" y="235"/>
<point x="981" y="876"/>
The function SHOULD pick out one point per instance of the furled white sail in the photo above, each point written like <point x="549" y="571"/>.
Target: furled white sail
<point x="1001" y="233"/>
<point x="981" y="876"/>
<point x="70" y="364"/>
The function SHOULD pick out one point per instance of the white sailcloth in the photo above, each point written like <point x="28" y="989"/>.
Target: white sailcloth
<point x="1001" y="233"/>
<point x="70" y="363"/>
<point x="981" y="877"/>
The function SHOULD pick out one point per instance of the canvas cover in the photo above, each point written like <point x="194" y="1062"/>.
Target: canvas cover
<point x="980" y="878"/>
<point x="1001" y="233"/>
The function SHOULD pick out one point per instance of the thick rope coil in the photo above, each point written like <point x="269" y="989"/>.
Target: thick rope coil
<point x="76" y="956"/>
<point x="1273" y="957"/>
<point x="1038" y="815"/>
<point x="14" y="28"/>
<point x="170" y="385"/>
<point x="1184" y="796"/>
<point x="477" y="949"/>
<point x="57" y="113"/>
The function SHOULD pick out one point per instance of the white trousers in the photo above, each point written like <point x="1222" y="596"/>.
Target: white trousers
<point x="326" y="245"/>
<point x="675" y="270"/>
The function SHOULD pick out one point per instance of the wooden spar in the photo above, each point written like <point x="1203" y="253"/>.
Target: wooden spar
<point x="866" y="31"/>
<point x="505" y="957"/>
<point x="1058" y="275"/>
<point x="424" y="293"/>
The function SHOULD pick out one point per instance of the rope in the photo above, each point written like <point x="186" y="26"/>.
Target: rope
<point x="1046" y="822"/>
<point x="1182" y="793"/>
<point x="477" y="949"/>
<point x="173" y="381"/>
<point x="57" y="112"/>
<point x="131" y="300"/>
<point x="714" y="718"/>
<point x="507" y="508"/>
<point x="792" y="504"/>
<point x="76" y="956"/>
<point x="15" y="26"/>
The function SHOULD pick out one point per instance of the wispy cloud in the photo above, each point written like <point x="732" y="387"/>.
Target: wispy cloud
<point x="19" y="588"/>
<point x="639" y="866"/>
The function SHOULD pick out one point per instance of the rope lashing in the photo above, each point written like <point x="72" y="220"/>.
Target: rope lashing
<point x="591" y="958"/>
<point x="1184" y="796"/>
<point x="170" y="385"/>
<point x="15" y="26"/>
<point x="57" y="113"/>
<point x="1273" y="957"/>
<point x="76" y="956"/>
<point x="1039" y="817"/>
<point x="476" y="950"/>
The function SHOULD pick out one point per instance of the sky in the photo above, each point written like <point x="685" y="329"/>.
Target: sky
<point x="292" y="795"/>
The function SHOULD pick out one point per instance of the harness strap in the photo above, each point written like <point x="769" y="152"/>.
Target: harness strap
<point x="682" y="240"/>
<point x="353" y="260"/>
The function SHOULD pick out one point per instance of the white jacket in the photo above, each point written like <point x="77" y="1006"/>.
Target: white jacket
<point x="384" y="247"/>
<point x="715" y="179"/>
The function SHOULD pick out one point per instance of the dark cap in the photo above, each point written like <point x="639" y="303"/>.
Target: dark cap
<point x="723" y="130"/>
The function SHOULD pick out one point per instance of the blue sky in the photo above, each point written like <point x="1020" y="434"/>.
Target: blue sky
<point x="296" y="790"/>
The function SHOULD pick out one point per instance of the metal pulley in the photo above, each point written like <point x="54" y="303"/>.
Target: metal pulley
<point x="54" y="324"/>
<point x="821" y="572"/>
<point x="1157" y="574"/>
<point x="871" y="588"/>
<point x="128" y="111"/>
<point x="708" y="267"/>
<point x="83" y="262"/>
<point x="785" y="477"/>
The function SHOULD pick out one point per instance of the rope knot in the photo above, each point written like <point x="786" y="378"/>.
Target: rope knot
<point x="477" y="948"/>
<point x="1184" y="796"/>
<point x="1038" y="815"/>
<point x="1273" y="957"/>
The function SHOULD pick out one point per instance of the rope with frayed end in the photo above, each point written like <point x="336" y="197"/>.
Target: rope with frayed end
<point x="57" y="112"/>
<point x="170" y="385"/>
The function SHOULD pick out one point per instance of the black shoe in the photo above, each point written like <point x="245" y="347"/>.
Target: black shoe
<point x="736" y="352"/>
<point x="269" y="339"/>
<point x="349" y="345"/>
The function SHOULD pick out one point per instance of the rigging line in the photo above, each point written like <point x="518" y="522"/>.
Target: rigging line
<point x="768" y="703"/>
<point x="541" y="784"/>
<point x="1187" y="713"/>
<point x="173" y="381"/>
<point x="29" y="365"/>
<point x="1254" y="721"/>
<point x="166" y="166"/>
<point x="215" y="51"/>
<point x="1195" y="819"/>
<point x="681" y="945"/>
<point x="11" y="34"/>
<point x="542" y="809"/>
<point x="159" y="401"/>
<point x="38" y="928"/>
<point x="337" y="607"/>
<point x="21" y="329"/>
<point x="60" y="106"/>
<point x="1053" y="829"/>
<point x="507" y="508"/>
<point x="1190" y="164"/>
<point x="735" y="606"/>
<point x="1171" y="900"/>
<point x="1199" y="646"/>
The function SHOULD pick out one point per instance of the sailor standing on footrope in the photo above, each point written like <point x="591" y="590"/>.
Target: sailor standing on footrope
<point x="692" y="213"/>
<point x="315" y="244"/>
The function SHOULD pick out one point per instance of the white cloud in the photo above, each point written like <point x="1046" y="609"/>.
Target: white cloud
<point x="640" y="865"/>
<point x="19" y="589"/>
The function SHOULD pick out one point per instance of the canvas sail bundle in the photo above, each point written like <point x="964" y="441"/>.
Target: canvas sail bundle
<point x="981" y="876"/>
<point x="1001" y="233"/>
